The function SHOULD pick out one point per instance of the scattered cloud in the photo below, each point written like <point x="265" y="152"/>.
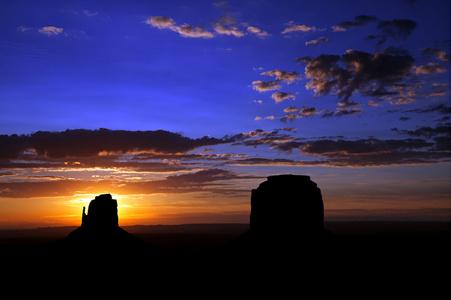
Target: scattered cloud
<point x="258" y="32"/>
<point x="265" y="86"/>
<point x="440" y="54"/>
<point x="293" y="27"/>
<point x="308" y="111"/>
<point x="265" y="118"/>
<point x="50" y="30"/>
<point x="366" y="152"/>
<point x="198" y="181"/>
<point x="227" y="24"/>
<point x="375" y="75"/>
<point x="305" y="111"/>
<point x="86" y="143"/>
<point x="439" y="85"/>
<point x="430" y="68"/>
<point x="90" y="13"/>
<point x="223" y="4"/>
<point x="161" y="22"/>
<point x="358" y="22"/>
<point x="280" y="96"/>
<point x="320" y="40"/>
<point x="427" y="131"/>
<point x="396" y="29"/>
<point x="184" y="30"/>
<point x="341" y="112"/>
<point x="23" y="28"/>
<point x="227" y="30"/>
<point x="440" y="108"/>
<point x="288" y="77"/>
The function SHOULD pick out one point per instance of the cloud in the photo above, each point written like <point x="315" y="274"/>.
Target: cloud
<point x="292" y="27"/>
<point x="198" y="181"/>
<point x="50" y="30"/>
<point x="440" y="54"/>
<point x="227" y="30"/>
<point x="427" y="131"/>
<point x="184" y="30"/>
<point x="440" y="108"/>
<point x="203" y="176"/>
<point x="361" y="146"/>
<point x="375" y="75"/>
<point x="288" y="77"/>
<point x="341" y="112"/>
<point x="291" y="109"/>
<point x="358" y="22"/>
<point x="397" y="28"/>
<point x="439" y="85"/>
<point x="280" y="96"/>
<point x="90" y="13"/>
<point x="441" y="135"/>
<point x="258" y="32"/>
<point x="366" y="152"/>
<point x="308" y="111"/>
<point x="430" y="68"/>
<point x="317" y="41"/>
<point x="224" y="4"/>
<point x="161" y="22"/>
<point x="86" y="143"/>
<point x="265" y="118"/>
<point x="265" y="86"/>
<point x="227" y="24"/>
<point x="341" y="152"/>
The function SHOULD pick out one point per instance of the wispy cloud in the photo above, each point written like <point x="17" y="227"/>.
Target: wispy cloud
<point x="430" y="68"/>
<point x="358" y="22"/>
<point x="228" y="30"/>
<point x="185" y="30"/>
<point x="320" y="40"/>
<point x="280" y="96"/>
<point x="440" y="54"/>
<point x="90" y="13"/>
<point x="288" y="77"/>
<point x="258" y="32"/>
<point x="265" y="86"/>
<point x="293" y="27"/>
<point x="50" y="30"/>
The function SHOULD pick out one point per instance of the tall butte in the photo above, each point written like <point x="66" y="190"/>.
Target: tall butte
<point x="100" y="227"/>
<point x="286" y="211"/>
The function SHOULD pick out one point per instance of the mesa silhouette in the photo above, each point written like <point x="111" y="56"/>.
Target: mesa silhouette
<point x="285" y="210"/>
<point x="100" y="227"/>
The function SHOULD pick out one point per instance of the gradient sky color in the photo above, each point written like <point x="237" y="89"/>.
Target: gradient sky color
<point x="179" y="108"/>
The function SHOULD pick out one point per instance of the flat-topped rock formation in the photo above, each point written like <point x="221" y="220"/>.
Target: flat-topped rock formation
<point x="286" y="211"/>
<point x="287" y="204"/>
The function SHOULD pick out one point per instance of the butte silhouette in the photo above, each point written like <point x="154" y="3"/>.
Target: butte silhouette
<point x="286" y="210"/>
<point x="100" y="227"/>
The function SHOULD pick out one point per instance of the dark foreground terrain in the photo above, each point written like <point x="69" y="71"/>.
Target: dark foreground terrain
<point x="360" y="259"/>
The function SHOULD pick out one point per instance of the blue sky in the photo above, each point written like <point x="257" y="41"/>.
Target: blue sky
<point x="338" y="85"/>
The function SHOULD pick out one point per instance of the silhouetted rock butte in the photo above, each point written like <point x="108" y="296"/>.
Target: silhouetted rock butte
<point x="100" y="227"/>
<point x="102" y="213"/>
<point x="286" y="207"/>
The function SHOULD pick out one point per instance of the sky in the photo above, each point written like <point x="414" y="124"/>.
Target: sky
<point x="180" y="108"/>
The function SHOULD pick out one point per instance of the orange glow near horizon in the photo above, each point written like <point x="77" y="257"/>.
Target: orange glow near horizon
<point x="40" y="198"/>
<point x="132" y="210"/>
